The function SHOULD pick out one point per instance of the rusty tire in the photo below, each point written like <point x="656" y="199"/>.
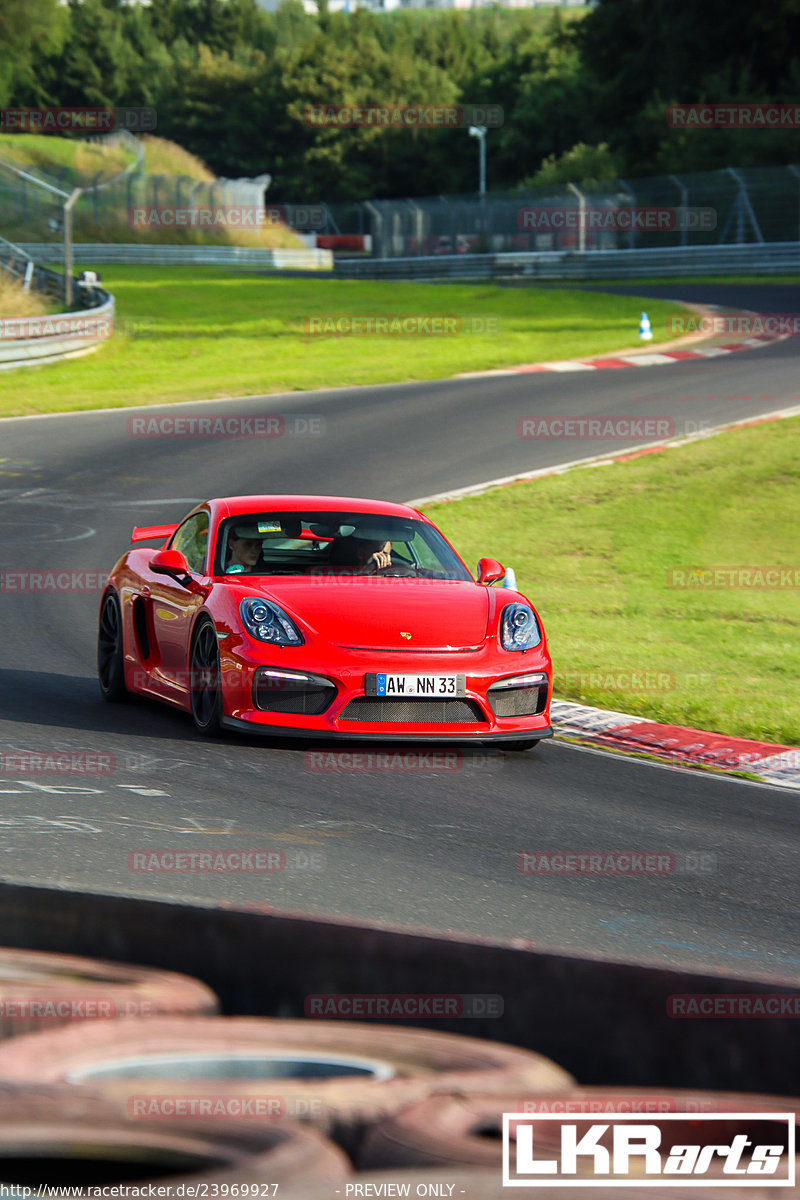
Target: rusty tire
<point x="466" y="1130"/>
<point x="52" y="1133"/>
<point x="340" y="1076"/>
<point x="40" y="990"/>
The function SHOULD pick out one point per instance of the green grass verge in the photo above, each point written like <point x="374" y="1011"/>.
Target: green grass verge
<point x="594" y="549"/>
<point x="189" y="333"/>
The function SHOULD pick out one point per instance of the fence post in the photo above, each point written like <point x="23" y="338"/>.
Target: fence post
<point x="744" y="208"/>
<point x="95" y="197"/>
<point x="68" y="206"/>
<point x="684" y="191"/>
<point x="582" y="218"/>
<point x="627" y="187"/>
<point x="377" y="220"/>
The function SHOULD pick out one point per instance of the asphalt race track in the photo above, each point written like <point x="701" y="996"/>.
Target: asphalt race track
<point x="428" y="848"/>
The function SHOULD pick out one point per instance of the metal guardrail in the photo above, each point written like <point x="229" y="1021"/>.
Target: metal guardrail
<point x="73" y="334"/>
<point x="771" y="258"/>
<point x="765" y="258"/>
<point x="119" y="253"/>
<point x="53" y="336"/>
<point x="21" y="265"/>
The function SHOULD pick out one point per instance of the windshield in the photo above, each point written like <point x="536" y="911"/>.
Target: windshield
<point x="334" y="543"/>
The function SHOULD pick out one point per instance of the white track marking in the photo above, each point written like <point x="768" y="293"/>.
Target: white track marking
<point x="598" y="460"/>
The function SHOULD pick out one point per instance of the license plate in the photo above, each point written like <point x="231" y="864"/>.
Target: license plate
<point x="418" y="686"/>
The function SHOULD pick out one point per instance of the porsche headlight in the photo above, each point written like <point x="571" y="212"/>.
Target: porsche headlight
<point x="519" y="629"/>
<point x="265" y="621"/>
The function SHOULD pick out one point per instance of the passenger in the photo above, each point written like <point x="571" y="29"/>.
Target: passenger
<point x="244" y="552"/>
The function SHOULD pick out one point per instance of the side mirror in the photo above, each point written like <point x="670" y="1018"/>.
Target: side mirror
<point x="173" y="564"/>
<point x="170" y="562"/>
<point x="490" y="570"/>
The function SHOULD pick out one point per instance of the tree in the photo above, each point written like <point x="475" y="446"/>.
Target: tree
<point x="24" y="25"/>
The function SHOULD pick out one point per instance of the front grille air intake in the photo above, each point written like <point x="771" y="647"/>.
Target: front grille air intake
<point x="292" y="692"/>
<point x="413" y="712"/>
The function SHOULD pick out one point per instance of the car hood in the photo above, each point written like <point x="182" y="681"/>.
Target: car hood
<point x="375" y="612"/>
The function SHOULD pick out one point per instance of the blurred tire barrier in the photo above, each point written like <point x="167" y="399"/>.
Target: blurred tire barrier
<point x="56" y="1136"/>
<point x="38" y="991"/>
<point x="339" y="1076"/>
<point x="35" y="341"/>
<point x="466" y="1130"/>
<point x="602" y="1020"/>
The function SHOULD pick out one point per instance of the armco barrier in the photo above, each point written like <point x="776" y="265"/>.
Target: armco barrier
<point x="772" y="258"/>
<point x="605" y="1022"/>
<point x="108" y="253"/>
<point x="75" y="333"/>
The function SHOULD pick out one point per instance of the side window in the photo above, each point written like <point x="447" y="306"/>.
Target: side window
<point x="192" y="539"/>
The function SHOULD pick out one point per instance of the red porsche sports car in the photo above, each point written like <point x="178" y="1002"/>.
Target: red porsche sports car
<point x="325" y="616"/>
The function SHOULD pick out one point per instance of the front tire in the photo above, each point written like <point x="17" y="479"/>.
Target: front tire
<point x="518" y="747"/>
<point x="205" y="683"/>
<point x="110" y="651"/>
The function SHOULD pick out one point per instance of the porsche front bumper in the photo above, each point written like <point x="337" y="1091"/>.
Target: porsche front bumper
<point x="339" y="705"/>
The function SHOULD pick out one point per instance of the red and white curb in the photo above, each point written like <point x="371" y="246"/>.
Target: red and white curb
<point x="655" y="358"/>
<point x="612" y="362"/>
<point x="777" y="765"/>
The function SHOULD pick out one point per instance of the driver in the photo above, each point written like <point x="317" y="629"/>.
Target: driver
<point x="244" y="552"/>
<point x="373" y="556"/>
<point x="353" y="555"/>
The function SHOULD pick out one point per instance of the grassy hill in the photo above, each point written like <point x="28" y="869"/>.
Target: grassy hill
<point x="70" y="163"/>
<point x="77" y="162"/>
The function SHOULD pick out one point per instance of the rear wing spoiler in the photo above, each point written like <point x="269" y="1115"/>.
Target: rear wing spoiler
<point x="145" y="533"/>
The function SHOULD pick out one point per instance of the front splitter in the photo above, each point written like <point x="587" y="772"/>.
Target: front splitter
<point x="282" y="731"/>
